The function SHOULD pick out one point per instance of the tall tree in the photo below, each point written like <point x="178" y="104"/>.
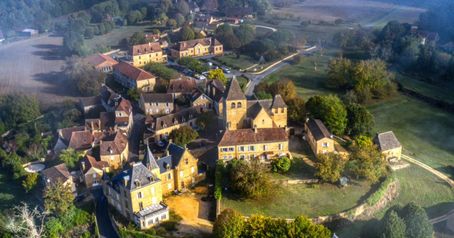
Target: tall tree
<point x="249" y="179"/>
<point x="58" y="197"/>
<point x="229" y="224"/>
<point x="360" y="120"/>
<point x="339" y="73"/>
<point x="217" y="74"/>
<point x="393" y="226"/>
<point x="365" y="160"/>
<point x="18" y="108"/>
<point x="187" y="33"/>
<point x="330" y="110"/>
<point x="330" y="167"/>
<point x="416" y="221"/>
<point x="85" y="77"/>
<point x="183" y="135"/>
<point x="70" y="157"/>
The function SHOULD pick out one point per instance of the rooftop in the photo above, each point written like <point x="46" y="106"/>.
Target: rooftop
<point x="387" y="141"/>
<point x="135" y="177"/>
<point x="147" y="48"/>
<point x="157" y="97"/>
<point x="318" y="129"/>
<point x="251" y="136"/>
<point x="132" y="72"/>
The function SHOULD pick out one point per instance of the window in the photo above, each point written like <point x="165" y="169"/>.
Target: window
<point x="241" y="156"/>
<point x="186" y="161"/>
<point x="265" y="147"/>
<point x="280" y="146"/>
<point x="251" y="148"/>
<point x="283" y="110"/>
<point x="231" y="149"/>
<point x="241" y="148"/>
<point x="263" y="121"/>
<point x="182" y="174"/>
<point x="325" y="145"/>
<point x="139" y="195"/>
<point x="224" y="149"/>
<point x="140" y="206"/>
<point x="232" y="105"/>
<point x="239" y="105"/>
<point x="192" y="170"/>
<point x="169" y="176"/>
<point x="164" y="216"/>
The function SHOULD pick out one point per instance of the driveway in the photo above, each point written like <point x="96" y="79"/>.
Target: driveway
<point x="106" y="228"/>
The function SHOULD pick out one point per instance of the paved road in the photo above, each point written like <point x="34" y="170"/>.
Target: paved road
<point x="106" y="229"/>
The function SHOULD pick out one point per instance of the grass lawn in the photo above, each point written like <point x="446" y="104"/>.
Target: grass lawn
<point x="311" y="200"/>
<point x="113" y="38"/>
<point x="426" y="133"/>
<point x="239" y="63"/>
<point x="11" y="192"/>
<point x="308" y="80"/>
<point x="441" y="91"/>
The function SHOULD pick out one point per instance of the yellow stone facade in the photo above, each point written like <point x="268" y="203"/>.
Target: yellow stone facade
<point x="155" y="57"/>
<point x="248" y="151"/>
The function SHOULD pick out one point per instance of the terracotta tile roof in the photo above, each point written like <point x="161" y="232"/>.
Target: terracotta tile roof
<point x="387" y="141"/>
<point x="157" y="97"/>
<point x="132" y="72"/>
<point x="318" y="129"/>
<point x="125" y="106"/>
<point x="90" y="162"/>
<point x="250" y="136"/>
<point x="99" y="59"/>
<point x="234" y="91"/>
<point x="65" y="134"/>
<point x="184" y="45"/>
<point x="56" y="173"/>
<point x="147" y="48"/>
<point x="81" y="140"/>
<point x="113" y="144"/>
<point x="183" y="85"/>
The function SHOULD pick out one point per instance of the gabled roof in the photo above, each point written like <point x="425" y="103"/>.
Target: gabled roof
<point x="173" y="159"/>
<point x="132" y="72"/>
<point x="184" y="45"/>
<point x="157" y="97"/>
<point x="150" y="160"/>
<point x="65" y="134"/>
<point x="147" y="48"/>
<point x="113" y="144"/>
<point x="56" y="173"/>
<point x="278" y="102"/>
<point x="217" y="84"/>
<point x="99" y="59"/>
<point x="183" y="85"/>
<point x="318" y="129"/>
<point x="250" y="136"/>
<point x="91" y="162"/>
<point x="387" y="141"/>
<point x="176" y="118"/>
<point x="234" y="91"/>
<point x="76" y="138"/>
<point x="135" y="177"/>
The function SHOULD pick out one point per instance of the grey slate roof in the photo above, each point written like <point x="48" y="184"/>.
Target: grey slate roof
<point x="157" y="97"/>
<point x="234" y="91"/>
<point x="176" y="118"/>
<point x="137" y="173"/>
<point x="318" y="129"/>
<point x="278" y="102"/>
<point x="387" y="141"/>
<point x="150" y="160"/>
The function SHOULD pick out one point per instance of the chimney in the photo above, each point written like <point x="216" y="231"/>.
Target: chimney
<point x="125" y="181"/>
<point x="255" y="129"/>
<point x="83" y="165"/>
<point x="167" y="153"/>
<point x="110" y="150"/>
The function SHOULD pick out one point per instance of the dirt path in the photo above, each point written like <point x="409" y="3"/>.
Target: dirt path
<point x="194" y="214"/>
<point x="430" y="169"/>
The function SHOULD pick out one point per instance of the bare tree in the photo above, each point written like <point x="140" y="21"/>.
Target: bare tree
<point x="26" y="222"/>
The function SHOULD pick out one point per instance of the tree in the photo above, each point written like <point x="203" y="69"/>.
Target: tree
<point x="339" y="73"/>
<point x="30" y="181"/>
<point x="217" y="74"/>
<point x="304" y="227"/>
<point x="249" y="178"/>
<point x="330" y="110"/>
<point x="70" y="157"/>
<point x="161" y="70"/>
<point x="330" y="167"/>
<point x="183" y="135"/>
<point x="16" y="109"/>
<point x="172" y="24"/>
<point x="372" y="79"/>
<point x="58" y="197"/>
<point x="85" y="77"/>
<point x="281" y="165"/>
<point x="245" y="34"/>
<point x="186" y="33"/>
<point x="133" y="93"/>
<point x="134" y="17"/>
<point x="26" y="222"/>
<point x="286" y="88"/>
<point x="366" y="161"/>
<point x="296" y="111"/>
<point x="229" y="224"/>
<point x="183" y="7"/>
<point x="360" y="120"/>
<point x="204" y="120"/>
<point x="416" y="221"/>
<point x="393" y="226"/>
<point x="179" y="18"/>
<point x="137" y="38"/>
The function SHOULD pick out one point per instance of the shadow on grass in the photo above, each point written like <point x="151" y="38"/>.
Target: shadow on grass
<point x="439" y="209"/>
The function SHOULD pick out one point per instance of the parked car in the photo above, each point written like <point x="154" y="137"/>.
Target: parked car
<point x="226" y="70"/>
<point x="200" y="76"/>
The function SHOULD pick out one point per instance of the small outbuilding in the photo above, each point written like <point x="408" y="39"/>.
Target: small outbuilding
<point x="389" y="145"/>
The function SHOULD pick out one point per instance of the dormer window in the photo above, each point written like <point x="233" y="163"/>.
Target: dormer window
<point x="233" y="105"/>
<point x="239" y="105"/>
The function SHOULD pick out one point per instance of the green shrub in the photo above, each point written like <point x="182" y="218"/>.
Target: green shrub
<point x="377" y="195"/>
<point x="281" y="165"/>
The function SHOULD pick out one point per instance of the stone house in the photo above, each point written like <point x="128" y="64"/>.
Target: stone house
<point x="156" y="103"/>
<point x="92" y="171"/>
<point x="147" y="53"/>
<point x="134" y="78"/>
<point x="197" y="48"/>
<point x="389" y="145"/>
